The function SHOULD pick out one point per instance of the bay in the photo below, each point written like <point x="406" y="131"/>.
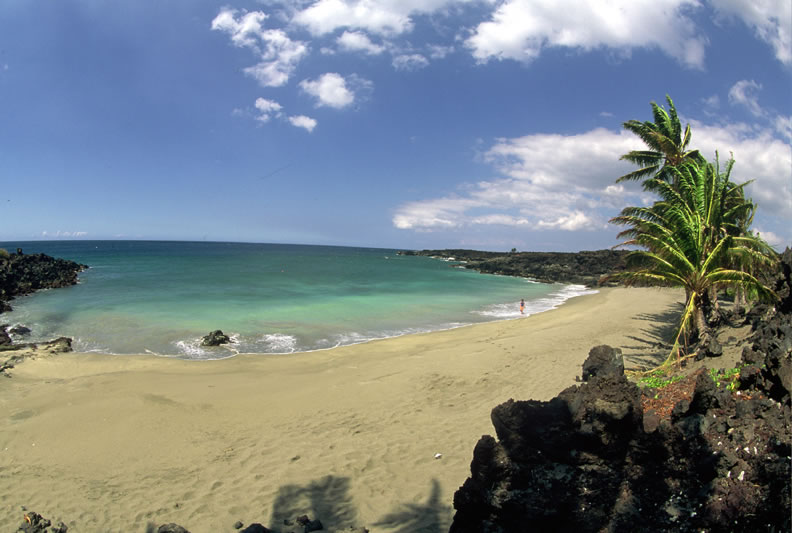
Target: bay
<point x="161" y="297"/>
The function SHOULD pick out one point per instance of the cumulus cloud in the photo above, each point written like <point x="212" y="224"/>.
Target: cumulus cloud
<point x="744" y="93"/>
<point x="267" y="109"/>
<point x="771" y="21"/>
<point x="329" y="90"/>
<point x="441" y="213"/>
<point x="566" y="182"/>
<point x="355" y="41"/>
<point x="543" y="186"/>
<point x="771" y="238"/>
<point x="333" y="90"/>
<point x="521" y="29"/>
<point x="383" y="17"/>
<point x="278" y="54"/>
<point x="758" y="155"/>
<point x="301" y="121"/>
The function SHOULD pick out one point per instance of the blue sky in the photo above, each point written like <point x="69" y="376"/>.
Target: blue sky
<point x="389" y="123"/>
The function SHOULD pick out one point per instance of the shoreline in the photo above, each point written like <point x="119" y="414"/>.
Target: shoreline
<point x="191" y="350"/>
<point x="348" y="435"/>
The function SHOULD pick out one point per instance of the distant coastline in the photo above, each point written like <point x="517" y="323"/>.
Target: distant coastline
<point x="582" y="268"/>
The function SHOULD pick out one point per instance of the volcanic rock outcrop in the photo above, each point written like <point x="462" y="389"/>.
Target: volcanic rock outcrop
<point x="592" y="460"/>
<point x="23" y="274"/>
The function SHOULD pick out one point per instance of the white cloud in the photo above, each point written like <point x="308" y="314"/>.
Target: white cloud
<point x="712" y="102"/>
<point x="278" y="54"/>
<point x="437" y="51"/>
<point x="500" y="219"/>
<point x="244" y="31"/>
<point x="355" y="41"/>
<point x="442" y="213"/>
<point x="574" y="221"/>
<point x="771" y="20"/>
<point x="783" y="125"/>
<point x="330" y="90"/>
<point x="64" y="234"/>
<point x="744" y="93"/>
<point x="267" y="109"/>
<point x="771" y="238"/>
<point x="382" y="17"/>
<point x="566" y="182"/>
<point x="520" y="29"/>
<point x="301" y="121"/>
<point x="544" y="186"/>
<point x="409" y="62"/>
<point x="758" y="155"/>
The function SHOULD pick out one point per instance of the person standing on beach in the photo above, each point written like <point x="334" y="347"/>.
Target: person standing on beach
<point x="522" y="306"/>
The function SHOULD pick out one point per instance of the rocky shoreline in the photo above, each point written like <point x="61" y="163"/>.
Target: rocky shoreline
<point x="22" y="274"/>
<point x="582" y="268"/>
<point x="595" y="459"/>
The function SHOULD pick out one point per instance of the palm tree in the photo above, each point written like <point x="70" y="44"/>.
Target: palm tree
<point x="666" y="142"/>
<point x="690" y="240"/>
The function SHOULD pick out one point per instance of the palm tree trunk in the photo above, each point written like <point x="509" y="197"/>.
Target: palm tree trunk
<point x="701" y="308"/>
<point x="739" y="299"/>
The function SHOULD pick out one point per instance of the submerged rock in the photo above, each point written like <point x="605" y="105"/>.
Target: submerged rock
<point x="215" y="338"/>
<point x="19" y="330"/>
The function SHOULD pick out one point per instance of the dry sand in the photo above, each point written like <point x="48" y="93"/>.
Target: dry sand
<point x="348" y="435"/>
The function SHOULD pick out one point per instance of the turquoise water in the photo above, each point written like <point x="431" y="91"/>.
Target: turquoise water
<point x="161" y="297"/>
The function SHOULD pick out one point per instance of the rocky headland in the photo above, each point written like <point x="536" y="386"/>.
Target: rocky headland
<point x="600" y="457"/>
<point x="582" y="268"/>
<point x="22" y="274"/>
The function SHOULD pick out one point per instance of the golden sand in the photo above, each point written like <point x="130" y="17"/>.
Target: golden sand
<point x="377" y="435"/>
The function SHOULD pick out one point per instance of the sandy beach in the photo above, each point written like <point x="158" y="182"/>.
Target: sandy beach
<point x="350" y="435"/>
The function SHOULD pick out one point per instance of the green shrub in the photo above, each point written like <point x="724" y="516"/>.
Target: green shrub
<point x="727" y="376"/>
<point x="658" y="380"/>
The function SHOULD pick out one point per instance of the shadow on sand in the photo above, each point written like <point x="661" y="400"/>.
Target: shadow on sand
<point x="429" y="517"/>
<point x="654" y="344"/>
<point x="329" y="500"/>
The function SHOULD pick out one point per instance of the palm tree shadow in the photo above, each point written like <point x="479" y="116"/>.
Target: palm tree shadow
<point x="654" y="344"/>
<point x="431" y="517"/>
<point x="327" y="498"/>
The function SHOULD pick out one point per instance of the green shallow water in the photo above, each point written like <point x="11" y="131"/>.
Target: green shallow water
<point x="161" y="297"/>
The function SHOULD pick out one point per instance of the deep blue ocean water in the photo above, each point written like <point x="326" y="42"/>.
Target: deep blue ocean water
<point x="161" y="297"/>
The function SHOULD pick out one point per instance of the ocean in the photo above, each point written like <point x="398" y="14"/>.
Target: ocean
<point x="161" y="297"/>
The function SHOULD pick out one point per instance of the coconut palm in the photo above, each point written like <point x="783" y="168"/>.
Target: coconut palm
<point x="691" y="240"/>
<point x="666" y="142"/>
